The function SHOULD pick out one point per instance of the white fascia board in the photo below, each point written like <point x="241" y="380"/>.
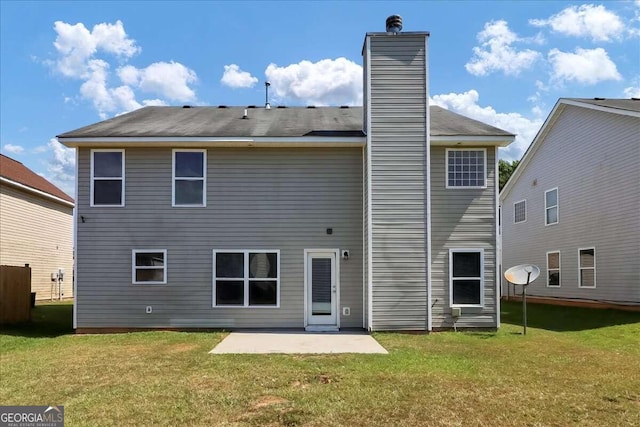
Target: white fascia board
<point x="601" y="107"/>
<point x="197" y="141"/>
<point x="36" y="191"/>
<point x="472" y="141"/>
<point x="531" y="150"/>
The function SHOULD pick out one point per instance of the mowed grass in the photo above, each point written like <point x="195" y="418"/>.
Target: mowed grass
<point x="574" y="367"/>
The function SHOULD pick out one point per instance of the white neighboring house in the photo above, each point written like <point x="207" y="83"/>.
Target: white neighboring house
<point x="36" y="228"/>
<point x="572" y="206"/>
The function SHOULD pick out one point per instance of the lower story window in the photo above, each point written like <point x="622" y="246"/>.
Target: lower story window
<point x="246" y="278"/>
<point x="553" y="269"/>
<point x="466" y="272"/>
<point x="587" y="268"/>
<point x="149" y="266"/>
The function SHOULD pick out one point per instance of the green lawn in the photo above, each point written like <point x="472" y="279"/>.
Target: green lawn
<point x="574" y="367"/>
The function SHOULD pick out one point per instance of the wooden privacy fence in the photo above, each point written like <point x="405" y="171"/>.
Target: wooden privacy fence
<point x="15" y="294"/>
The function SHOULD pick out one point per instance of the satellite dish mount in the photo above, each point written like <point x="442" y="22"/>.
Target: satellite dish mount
<point x="523" y="275"/>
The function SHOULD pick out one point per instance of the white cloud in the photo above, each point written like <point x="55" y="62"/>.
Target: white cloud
<point x="81" y="56"/>
<point x="326" y="82"/>
<point x="168" y="79"/>
<point x="632" y="92"/>
<point x="40" y="149"/>
<point x="76" y="45"/>
<point x="467" y="104"/>
<point x="496" y="51"/>
<point x="13" y="148"/>
<point x="588" y="66"/>
<point x="61" y="166"/>
<point x="236" y="78"/>
<point x="587" y="20"/>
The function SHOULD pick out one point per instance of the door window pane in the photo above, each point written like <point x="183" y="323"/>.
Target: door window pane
<point x="321" y="286"/>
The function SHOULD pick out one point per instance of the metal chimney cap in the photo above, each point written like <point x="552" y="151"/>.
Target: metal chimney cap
<point x="394" y="24"/>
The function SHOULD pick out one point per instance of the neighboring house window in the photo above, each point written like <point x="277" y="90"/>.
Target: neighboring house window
<point x="189" y="178"/>
<point x="149" y="266"/>
<point x="246" y="278"/>
<point x="587" y="268"/>
<point x="551" y="206"/>
<point x="466" y="168"/>
<point x="466" y="272"/>
<point x="553" y="269"/>
<point x="107" y="177"/>
<point x="520" y="211"/>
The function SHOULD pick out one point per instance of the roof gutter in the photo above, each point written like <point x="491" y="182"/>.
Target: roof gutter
<point x="200" y="141"/>
<point x="36" y="191"/>
<point x="472" y="141"/>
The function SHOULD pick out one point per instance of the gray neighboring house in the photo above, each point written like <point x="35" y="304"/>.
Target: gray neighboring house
<point x="382" y="217"/>
<point x="572" y="205"/>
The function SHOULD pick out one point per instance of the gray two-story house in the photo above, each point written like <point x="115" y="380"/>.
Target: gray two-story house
<point x="381" y="217"/>
<point x="572" y="206"/>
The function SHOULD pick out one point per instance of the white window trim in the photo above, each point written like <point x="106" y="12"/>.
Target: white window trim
<point x="246" y="253"/>
<point x="525" y="211"/>
<point x="121" y="178"/>
<point x="203" y="179"/>
<point x="559" y="269"/>
<point x="446" y="169"/>
<point x="557" y="206"/>
<point x="580" y="268"/>
<point x="134" y="267"/>
<point x="481" y="278"/>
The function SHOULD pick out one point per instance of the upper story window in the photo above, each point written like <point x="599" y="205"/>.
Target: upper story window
<point x="149" y="266"/>
<point x="107" y="177"/>
<point x="189" y="178"/>
<point x="466" y="277"/>
<point x="551" y="206"/>
<point x="466" y="168"/>
<point x="520" y="211"/>
<point x="587" y="268"/>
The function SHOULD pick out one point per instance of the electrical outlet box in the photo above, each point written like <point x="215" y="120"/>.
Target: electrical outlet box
<point x="456" y="311"/>
<point x="346" y="311"/>
<point x="149" y="309"/>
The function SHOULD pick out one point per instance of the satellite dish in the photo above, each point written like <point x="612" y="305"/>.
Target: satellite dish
<point x="522" y="274"/>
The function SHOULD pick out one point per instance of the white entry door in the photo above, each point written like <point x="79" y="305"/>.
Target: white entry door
<point x="321" y="289"/>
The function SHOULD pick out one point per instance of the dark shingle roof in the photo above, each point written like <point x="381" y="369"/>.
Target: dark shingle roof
<point x="632" y="104"/>
<point x="15" y="171"/>
<point x="260" y="122"/>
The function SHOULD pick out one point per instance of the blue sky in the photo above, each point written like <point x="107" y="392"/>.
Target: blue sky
<point x="68" y="64"/>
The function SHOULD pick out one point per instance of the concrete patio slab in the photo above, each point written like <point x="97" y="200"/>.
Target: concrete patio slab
<point x="298" y="343"/>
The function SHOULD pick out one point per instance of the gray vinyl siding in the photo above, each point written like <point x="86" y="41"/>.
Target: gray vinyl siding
<point x="593" y="158"/>
<point x="365" y="236"/>
<point x="462" y="219"/>
<point x="398" y="135"/>
<point x="256" y="199"/>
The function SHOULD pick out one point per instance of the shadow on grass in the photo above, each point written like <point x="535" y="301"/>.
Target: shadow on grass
<point x="47" y="320"/>
<point x="558" y="318"/>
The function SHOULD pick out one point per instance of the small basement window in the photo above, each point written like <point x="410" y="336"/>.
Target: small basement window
<point x="107" y="178"/>
<point x="466" y="168"/>
<point x="587" y="268"/>
<point x="520" y="211"/>
<point x="246" y="278"/>
<point x="466" y="277"/>
<point x="149" y="266"/>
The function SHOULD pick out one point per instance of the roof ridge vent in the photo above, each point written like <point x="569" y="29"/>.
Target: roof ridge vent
<point x="311" y="106"/>
<point x="222" y="106"/>
<point x="186" y="106"/>
<point x="251" y="106"/>
<point x="599" y="99"/>
<point x="281" y="106"/>
<point x="344" y="106"/>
